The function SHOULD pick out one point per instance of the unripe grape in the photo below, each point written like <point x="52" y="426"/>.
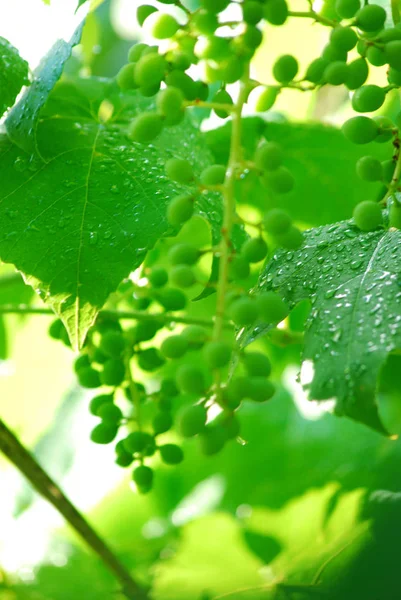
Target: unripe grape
<point x="174" y="346"/>
<point x="269" y="156"/>
<point x="182" y="276"/>
<point x="180" y="209"/>
<point x="138" y="442"/>
<point x="336" y="73"/>
<point x="395" y="214"/>
<point x="316" y="69"/>
<point x="204" y="22"/>
<point x="136" y="51"/>
<point x="252" y="12"/>
<point x="367" y="215"/>
<point x="222" y="97"/>
<point x="104" y="433"/>
<point x="369" y="168"/>
<point x="161" y="26"/>
<point x="393" y="54"/>
<point x="179" y="60"/>
<point x="272" y="308"/>
<point x="143" y="12"/>
<point x="239" y="268"/>
<point x="266" y="98"/>
<point x="171" y="454"/>
<point x="162" y="422"/>
<point x="170" y="102"/>
<point x="183" y="254"/>
<point x="125" y="78"/>
<point x="146" y="330"/>
<point x="236" y="391"/>
<point x="277" y="221"/>
<point x="360" y="130"/>
<point x="231" y="70"/>
<point x="376" y="56"/>
<point x="145" y="128"/>
<point x="290" y="239"/>
<point x="285" y="68"/>
<point x="281" y="180"/>
<point x="150" y="69"/>
<point x="57" y="330"/>
<point x="150" y="90"/>
<point x="110" y="412"/>
<point x="333" y="53"/>
<point x="191" y="420"/>
<point x="81" y="362"/>
<point x="123" y="459"/>
<point x="212" y="439"/>
<point x="394" y="77"/>
<point x="112" y="343"/>
<point x="217" y="354"/>
<point x="143" y="478"/>
<point x="254" y="250"/>
<point x="196" y="335"/>
<point x="113" y="372"/>
<point x="252" y="37"/>
<point x="158" y="277"/>
<point x="275" y="12"/>
<point x="213" y="175"/>
<point x="343" y="37"/>
<point x="98" y="401"/>
<point x="212" y="48"/>
<point x="179" y="170"/>
<point x="256" y="363"/>
<point x="243" y="311"/>
<point x="358" y="72"/>
<point x="168" y="388"/>
<point x="389" y="35"/>
<point x="150" y="359"/>
<point x="214" y="6"/>
<point x="368" y="98"/>
<point x="183" y="82"/>
<point x="386" y="128"/>
<point x="172" y="299"/>
<point x="370" y="17"/>
<point x="346" y="9"/>
<point x="190" y="380"/>
<point x="260" y="389"/>
<point x="88" y="378"/>
<point x="230" y="425"/>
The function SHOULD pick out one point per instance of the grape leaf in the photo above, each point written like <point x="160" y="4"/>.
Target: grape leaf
<point x="353" y="281"/>
<point x="82" y="220"/>
<point x="22" y="121"/>
<point x="13" y="74"/>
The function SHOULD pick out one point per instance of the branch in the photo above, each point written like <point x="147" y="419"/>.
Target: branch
<point x="40" y="480"/>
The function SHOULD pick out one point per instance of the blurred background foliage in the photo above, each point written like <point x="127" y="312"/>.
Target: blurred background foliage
<point x="297" y="500"/>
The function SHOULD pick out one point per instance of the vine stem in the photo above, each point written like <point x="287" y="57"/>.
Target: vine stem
<point x="41" y="481"/>
<point x="313" y="15"/>
<point x="396" y="176"/>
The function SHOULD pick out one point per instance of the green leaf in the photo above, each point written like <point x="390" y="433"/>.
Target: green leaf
<point x="321" y="160"/>
<point x="83" y="220"/>
<point x="13" y="74"/>
<point x="22" y="121"/>
<point x="353" y="281"/>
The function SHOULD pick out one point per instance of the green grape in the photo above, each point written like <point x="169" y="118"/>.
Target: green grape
<point x="281" y="180"/>
<point x="98" y="401"/>
<point x="190" y="380"/>
<point x="386" y="129"/>
<point x="275" y="12"/>
<point x="370" y="17"/>
<point x="367" y="215"/>
<point x="146" y="330"/>
<point x="113" y="372"/>
<point x="110" y="412"/>
<point x="285" y="68"/>
<point x="260" y="389"/>
<point x="212" y="48"/>
<point x="252" y="37"/>
<point x="332" y="53"/>
<point x="174" y="346"/>
<point x="266" y="99"/>
<point x="170" y="102"/>
<point x="395" y="214"/>
<point x="191" y="420"/>
<point x="252" y="12"/>
<point x="182" y="276"/>
<point x="231" y="70"/>
<point x="150" y="69"/>
<point x="369" y="168"/>
<point x="150" y="359"/>
<point x="360" y="130"/>
<point x="217" y="354"/>
<point x="239" y="268"/>
<point x="315" y="70"/>
<point x="256" y="363"/>
<point x="179" y="170"/>
<point x="346" y="9"/>
<point x="161" y="26"/>
<point x="368" y="98"/>
<point x="213" y="175"/>
<point x="204" y="22"/>
<point x="183" y="254"/>
<point x="104" y="323"/>
<point x="112" y="343"/>
<point x="201" y="91"/>
<point x="343" y="37"/>
<point x="272" y="308"/>
<point x="362" y="47"/>
<point x="125" y="78"/>
<point x="123" y="459"/>
<point x="291" y="239"/>
<point x="151" y="90"/>
<point x="393" y="54"/>
<point x="143" y="12"/>
<point x="183" y="82"/>
<point x="254" y="250"/>
<point x="212" y="438"/>
<point x="230" y="424"/>
<point x="56" y="330"/>
<point x="394" y="77"/>
<point x="196" y="335"/>
<point x="145" y="128"/>
<point x="277" y="221"/>
<point x="158" y="278"/>
<point x="143" y="478"/>
<point x="358" y="72"/>
<point x="81" y="362"/>
<point x="222" y="97"/>
<point x="214" y="6"/>
<point x="180" y="209"/>
<point x="171" y="454"/>
<point x="139" y="442"/>
<point x="172" y="299"/>
<point x="179" y="60"/>
<point x="139" y="392"/>
<point x="136" y="51"/>
<point x="376" y="56"/>
<point x="162" y="422"/>
<point x="88" y="378"/>
<point x="236" y="391"/>
<point x="389" y="35"/>
<point x="269" y="156"/>
<point x="243" y="311"/>
<point x="104" y="433"/>
<point x="336" y="73"/>
<point x="168" y="388"/>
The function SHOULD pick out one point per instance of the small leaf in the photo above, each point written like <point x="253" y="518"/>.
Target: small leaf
<point x="13" y="74"/>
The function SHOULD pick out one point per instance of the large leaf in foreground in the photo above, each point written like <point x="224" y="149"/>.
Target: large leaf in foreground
<point x="77" y="224"/>
<point x="13" y="74"/>
<point x="353" y="281"/>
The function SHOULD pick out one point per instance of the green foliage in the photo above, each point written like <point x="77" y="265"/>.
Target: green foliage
<point x="13" y="74"/>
